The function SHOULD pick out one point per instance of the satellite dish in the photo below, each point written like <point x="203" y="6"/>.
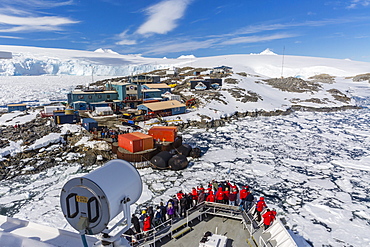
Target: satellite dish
<point x="90" y="202"/>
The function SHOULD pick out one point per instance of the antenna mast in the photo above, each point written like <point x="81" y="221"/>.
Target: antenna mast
<point x="282" y="63"/>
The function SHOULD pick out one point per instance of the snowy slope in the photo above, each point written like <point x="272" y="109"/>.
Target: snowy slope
<point x="41" y="61"/>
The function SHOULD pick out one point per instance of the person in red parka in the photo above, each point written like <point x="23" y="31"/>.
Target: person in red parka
<point x="210" y="197"/>
<point x="208" y="189"/>
<point x="200" y="189"/>
<point x="261" y="204"/>
<point x="243" y="194"/>
<point x="219" y="195"/>
<point x="268" y="218"/>
<point x="194" y="194"/>
<point x="180" y="195"/>
<point x="146" y="224"/>
<point x="226" y="195"/>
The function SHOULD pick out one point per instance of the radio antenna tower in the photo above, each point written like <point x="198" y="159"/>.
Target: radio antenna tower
<point x="282" y="64"/>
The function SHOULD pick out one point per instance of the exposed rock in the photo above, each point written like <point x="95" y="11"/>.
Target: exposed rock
<point x="324" y="78"/>
<point x="292" y="84"/>
<point x="89" y="159"/>
<point x="231" y="81"/>
<point x="338" y="95"/>
<point x="362" y="77"/>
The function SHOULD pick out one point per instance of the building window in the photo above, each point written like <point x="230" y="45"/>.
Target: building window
<point x="127" y="88"/>
<point x="80" y="96"/>
<point x="99" y="96"/>
<point x="135" y="88"/>
<point x="108" y="96"/>
<point x="90" y="96"/>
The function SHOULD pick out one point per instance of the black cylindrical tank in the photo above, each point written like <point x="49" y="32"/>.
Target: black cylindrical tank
<point x="195" y="153"/>
<point x="184" y="149"/>
<point x="161" y="160"/>
<point x="178" y="162"/>
<point x="178" y="142"/>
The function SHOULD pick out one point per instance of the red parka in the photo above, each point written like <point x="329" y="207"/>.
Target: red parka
<point x="261" y="204"/>
<point x="269" y="217"/>
<point x="243" y="194"/>
<point x="146" y="224"/>
<point x="180" y="195"/>
<point x="194" y="193"/>
<point x="219" y="194"/>
<point x="210" y="197"/>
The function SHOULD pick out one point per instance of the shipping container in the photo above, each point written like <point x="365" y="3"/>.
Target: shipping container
<point x="89" y="124"/>
<point x="50" y="109"/>
<point x="148" y="142"/>
<point x="164" y="133"/>
<point x="130" y="142"/>
<point x="65" y="119"/>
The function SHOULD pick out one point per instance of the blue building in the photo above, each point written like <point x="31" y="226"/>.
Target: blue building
<point x="164" y="108"/>
<point x="125" y="90"/>
<point x="80" y="105"/>
<point x="91" y="96"/>
<point x="17" y="107"/>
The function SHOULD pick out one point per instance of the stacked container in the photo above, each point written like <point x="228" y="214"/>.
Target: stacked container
<point x="164" y="133"/>
<point x="130" y="142"/>
<point x="148" y="142"/>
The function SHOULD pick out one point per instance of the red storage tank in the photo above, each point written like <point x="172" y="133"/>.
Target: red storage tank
<point x="164" y="133"/>
<point x="148" y="142"/>
<point x="130" y="142"/>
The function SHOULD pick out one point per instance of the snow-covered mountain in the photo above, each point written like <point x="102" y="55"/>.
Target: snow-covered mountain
<point x="105" y="62"/>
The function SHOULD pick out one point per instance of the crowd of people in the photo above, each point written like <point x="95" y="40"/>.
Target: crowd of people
<point x="105" y="133"/>
<point x="220" y="192"/>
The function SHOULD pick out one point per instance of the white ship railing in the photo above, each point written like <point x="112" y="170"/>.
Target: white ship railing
<point x="275" y="236"/>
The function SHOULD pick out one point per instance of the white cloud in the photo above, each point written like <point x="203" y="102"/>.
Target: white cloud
<point x="126" y="42"/>
<point x="356" y="3"/>
<point x="10" y="37"/>
<point x="255" y="39"/>
<point x="37" y="3"/>
<point x="20" y="16"/>
<point x="125" y="39"/>
<point x="163" y="16"/>
<point x="10" y="23"/>
<point x="282" y="26"/>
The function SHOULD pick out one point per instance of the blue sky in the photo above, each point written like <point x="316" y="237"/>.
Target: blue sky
<point x="320" y="28"/>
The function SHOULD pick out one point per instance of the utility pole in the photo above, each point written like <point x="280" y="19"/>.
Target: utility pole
<point x="282" y="64"/>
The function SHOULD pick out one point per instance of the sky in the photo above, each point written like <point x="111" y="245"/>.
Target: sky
<point x="170" y="28"/>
